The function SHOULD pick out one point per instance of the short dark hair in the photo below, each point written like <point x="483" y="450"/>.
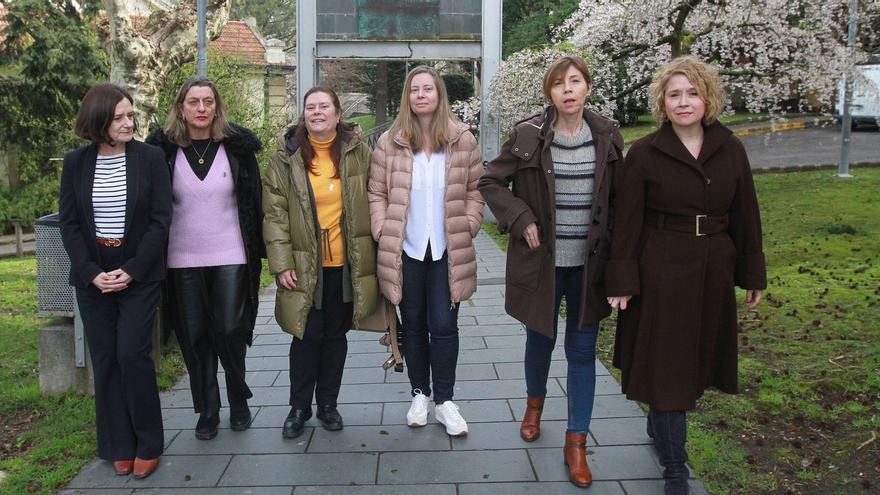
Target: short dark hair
<point x="96" y="112"/>
<point x="557" y="71"/>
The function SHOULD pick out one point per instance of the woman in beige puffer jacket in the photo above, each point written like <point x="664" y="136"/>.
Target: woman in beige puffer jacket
<point x="424" y="212"/>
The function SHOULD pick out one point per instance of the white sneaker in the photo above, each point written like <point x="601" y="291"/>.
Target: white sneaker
<point x="417" y="415"/>
<point x="448" y="415"/>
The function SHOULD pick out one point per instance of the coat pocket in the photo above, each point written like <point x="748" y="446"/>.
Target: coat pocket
<point x="524" y="265"/>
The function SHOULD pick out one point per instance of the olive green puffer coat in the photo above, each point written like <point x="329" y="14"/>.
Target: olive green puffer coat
<point x="292" y="236"/>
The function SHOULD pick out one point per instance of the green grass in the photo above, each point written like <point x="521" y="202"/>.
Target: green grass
<point x="56" y="434"/>
<point x="366" y="122"/>
<point x="646" y="124"/>
<point x="809" y="368"/>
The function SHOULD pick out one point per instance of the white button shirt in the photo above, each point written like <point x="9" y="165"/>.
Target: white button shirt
<point x="425" y="220"/>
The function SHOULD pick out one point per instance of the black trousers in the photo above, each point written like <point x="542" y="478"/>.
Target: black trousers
<point x="211" y="323"/>
<point x="669" y="431"/>
<point x="119" y="327"/>
<point x="317" y="360"/>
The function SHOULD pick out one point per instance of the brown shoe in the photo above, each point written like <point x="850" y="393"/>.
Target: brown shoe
<point x="122" y="468"/>
<point x="576" y="459"/>
<point x="144" y="467"/>
<point x="530" y="429"/>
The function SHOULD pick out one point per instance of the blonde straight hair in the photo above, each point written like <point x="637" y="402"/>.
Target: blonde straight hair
<point x="175" y="125"/>
<point x="407" y="125"/>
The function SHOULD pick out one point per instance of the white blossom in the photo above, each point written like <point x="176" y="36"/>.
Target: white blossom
<point x="770" y="52"/>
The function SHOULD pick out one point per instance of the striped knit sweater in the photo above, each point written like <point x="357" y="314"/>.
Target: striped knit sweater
<point x="574" y="164"/>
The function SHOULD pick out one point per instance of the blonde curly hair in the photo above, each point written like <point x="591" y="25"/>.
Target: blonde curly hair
<point x="703" y="76"/>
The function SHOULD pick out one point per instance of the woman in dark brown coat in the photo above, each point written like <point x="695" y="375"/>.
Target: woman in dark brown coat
<point x="687" y="231"/>
<point x="561" y="163"/>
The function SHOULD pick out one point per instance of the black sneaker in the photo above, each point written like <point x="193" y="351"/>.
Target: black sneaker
<point x="295" y="422"/>
<point x="206" y="428"/>
<point x="330" y="418"/>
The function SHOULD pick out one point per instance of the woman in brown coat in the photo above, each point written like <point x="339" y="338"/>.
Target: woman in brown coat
<point x="687" y="231"/>
<point x="561" y="163"/>
<point x="424" y="212"/>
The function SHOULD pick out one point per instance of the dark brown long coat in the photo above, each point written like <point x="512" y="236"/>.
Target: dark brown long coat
<point x="679" y="334"/>
<point x="525" y="161"/>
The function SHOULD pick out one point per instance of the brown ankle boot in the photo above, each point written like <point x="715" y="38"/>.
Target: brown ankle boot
<point x="530" y="429"/>
<point x="576" y="459"/>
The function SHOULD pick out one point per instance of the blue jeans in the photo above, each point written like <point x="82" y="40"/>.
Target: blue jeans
<point x="430" y="325"/>
<point x="580" y="352"/>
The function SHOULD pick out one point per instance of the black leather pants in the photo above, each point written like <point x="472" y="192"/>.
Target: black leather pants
<point x="211" y="323"/>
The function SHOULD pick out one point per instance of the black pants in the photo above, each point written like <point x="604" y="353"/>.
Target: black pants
<point x="669" y="430"/>
<point x="430" y="321"/>
<point x="119" y="327"/>
<point x="317" y="360"/>
<point x="211" y="323"/>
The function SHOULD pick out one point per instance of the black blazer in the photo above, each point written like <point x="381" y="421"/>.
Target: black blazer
<point x="147" y="213"/>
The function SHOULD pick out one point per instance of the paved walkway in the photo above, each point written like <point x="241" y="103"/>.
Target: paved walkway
<point x="377" y="453"/>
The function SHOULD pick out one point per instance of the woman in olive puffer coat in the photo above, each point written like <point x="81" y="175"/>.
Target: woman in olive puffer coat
<point x="317" y="232"/>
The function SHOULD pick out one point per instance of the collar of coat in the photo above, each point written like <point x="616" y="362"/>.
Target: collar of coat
<point x="539" y="127"/>
<point x="289" y="144"/>
<point x="453" y="129"/>
<point x="667" y="142"/>
<point x="240" y="141"/>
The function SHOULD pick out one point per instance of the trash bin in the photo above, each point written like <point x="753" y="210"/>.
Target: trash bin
<point x="55" y="297"/>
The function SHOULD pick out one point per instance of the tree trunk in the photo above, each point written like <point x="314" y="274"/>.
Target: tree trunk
<point x="144" y="51"/>
<point x="13" y="174"/>
<point x="382" y="93"/>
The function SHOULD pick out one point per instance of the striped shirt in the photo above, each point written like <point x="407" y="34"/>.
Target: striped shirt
<point x="108" y="196"/>
<point x="574" y="164"/>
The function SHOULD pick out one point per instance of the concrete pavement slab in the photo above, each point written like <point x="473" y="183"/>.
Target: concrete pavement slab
<point x="551" y="488"/>
<point x="454" y="467"/>
<point x="385" y="438"/>
<point x="249" y="490"/>
<point x="463" y="372"/>
<point x="258" y="441"/>
<point x="301" y="469"/>
<point x="421" y="489"/>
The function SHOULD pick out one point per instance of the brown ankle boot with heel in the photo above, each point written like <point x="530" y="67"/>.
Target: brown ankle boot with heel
<point x="576" y="459"/>
<point x="530" y="429"/>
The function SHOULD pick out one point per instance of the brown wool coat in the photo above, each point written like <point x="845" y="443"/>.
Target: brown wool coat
<point x="389" y="192"/>
<point x="678" y="335"/>
<point x="525" y="160"/>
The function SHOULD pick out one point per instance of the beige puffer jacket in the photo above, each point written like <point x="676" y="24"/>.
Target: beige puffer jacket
<point x="389" y="194"/>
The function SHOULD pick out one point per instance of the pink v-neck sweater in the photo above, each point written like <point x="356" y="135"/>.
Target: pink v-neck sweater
<point x="204" y="227"/>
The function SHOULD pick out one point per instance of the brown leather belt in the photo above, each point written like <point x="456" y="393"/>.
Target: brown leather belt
<point x="698" y="225"/>
<point x="114" y="243"/>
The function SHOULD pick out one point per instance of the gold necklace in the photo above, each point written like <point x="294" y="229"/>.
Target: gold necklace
<point x="202" y="154"/>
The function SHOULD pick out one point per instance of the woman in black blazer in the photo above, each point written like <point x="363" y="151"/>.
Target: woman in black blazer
<point x="115" y="211"/>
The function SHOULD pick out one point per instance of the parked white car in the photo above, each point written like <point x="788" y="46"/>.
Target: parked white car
<point x="865" y="106"/>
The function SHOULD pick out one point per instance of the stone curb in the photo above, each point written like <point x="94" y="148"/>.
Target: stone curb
<point x="771" y="126"/>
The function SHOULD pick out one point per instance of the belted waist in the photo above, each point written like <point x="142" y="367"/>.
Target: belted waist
<point x="698" y="225"/>
<point x="103" y="241"/>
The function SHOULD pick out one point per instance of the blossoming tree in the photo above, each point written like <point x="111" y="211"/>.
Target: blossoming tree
<point x="768" y="52"/>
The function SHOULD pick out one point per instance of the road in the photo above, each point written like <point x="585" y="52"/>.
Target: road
<point x="810" y="147"/>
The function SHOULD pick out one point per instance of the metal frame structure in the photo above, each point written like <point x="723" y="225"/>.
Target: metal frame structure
<point x="309" y="50"/>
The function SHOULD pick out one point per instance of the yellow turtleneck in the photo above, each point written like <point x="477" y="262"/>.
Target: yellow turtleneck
<point x="328" y="201"/>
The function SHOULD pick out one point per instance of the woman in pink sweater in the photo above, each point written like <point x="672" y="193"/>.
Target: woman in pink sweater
<point x="214" y="248"/>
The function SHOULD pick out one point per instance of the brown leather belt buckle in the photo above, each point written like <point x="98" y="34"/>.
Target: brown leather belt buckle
<point x="697" y="223"/>
<point x="109" y="242"/>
